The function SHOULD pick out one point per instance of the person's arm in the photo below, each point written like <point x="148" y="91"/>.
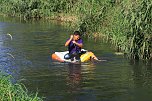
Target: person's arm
<point x="68" y="41"/>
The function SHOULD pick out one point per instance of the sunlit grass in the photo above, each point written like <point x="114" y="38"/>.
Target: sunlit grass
<point x="14" y="92"/>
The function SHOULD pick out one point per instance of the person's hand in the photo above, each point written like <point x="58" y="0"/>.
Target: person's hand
<point x="74" y="42"/>
<point x="71" y="37"/>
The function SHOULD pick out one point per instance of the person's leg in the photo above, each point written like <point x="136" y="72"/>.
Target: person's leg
<point x="92" y="56"/>
<point x="67" y="56"/>
<point x="75" y="56"/>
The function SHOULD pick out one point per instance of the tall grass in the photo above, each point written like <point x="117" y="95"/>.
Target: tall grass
<point x="140" y="30"/>
<point x="126" y="23"/>
<point x="35" y="8"/>
<point x="14" y="92"/>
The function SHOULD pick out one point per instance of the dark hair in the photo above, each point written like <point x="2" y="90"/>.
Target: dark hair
<point x="77" y="33"/>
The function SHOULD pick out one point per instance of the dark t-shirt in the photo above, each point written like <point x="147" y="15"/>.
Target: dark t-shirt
<point x="74" y="48"/>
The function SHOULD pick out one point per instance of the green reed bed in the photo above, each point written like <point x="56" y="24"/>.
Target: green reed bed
<point x="35" y="8"/>
<point x="14" y="92"/>
<point x="126" y="23"/>
<point x="140" y="30"/>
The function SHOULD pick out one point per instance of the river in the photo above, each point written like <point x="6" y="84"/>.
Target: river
<point x="27" y="58"/>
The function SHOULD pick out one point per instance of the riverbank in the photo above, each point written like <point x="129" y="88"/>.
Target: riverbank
<point x="126" y="24"/>
<point x="14" y="92"/>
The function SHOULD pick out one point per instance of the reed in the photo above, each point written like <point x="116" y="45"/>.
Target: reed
<point x="14" y="92"/>
<point x="140" y="30"/>
<point x="127" y="24"/>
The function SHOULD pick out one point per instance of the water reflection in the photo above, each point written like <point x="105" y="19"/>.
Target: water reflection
<point x="142" y="81"/>
<point x="7" y="64"/>
<point x="142" y="74"/>
<point x="74" y="77"/>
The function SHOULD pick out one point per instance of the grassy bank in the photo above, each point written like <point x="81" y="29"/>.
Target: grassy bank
<point x="14" y="92"/>
<point x="125" y="23"/>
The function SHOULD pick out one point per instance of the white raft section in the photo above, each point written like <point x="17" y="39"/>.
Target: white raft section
<point x="61" y="54"/>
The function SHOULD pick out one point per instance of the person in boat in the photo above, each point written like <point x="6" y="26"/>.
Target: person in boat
<point x="75" y="44"/>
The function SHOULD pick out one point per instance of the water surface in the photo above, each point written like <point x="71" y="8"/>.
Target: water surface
<point x="27" y="58"/>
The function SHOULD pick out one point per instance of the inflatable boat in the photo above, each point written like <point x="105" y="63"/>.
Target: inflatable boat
<point x="59" y="56"/>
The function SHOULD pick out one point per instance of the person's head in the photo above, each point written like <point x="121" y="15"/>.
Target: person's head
<point x="76" y="35"/>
